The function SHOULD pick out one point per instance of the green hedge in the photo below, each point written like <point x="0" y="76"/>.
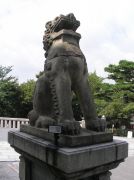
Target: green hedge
<point x="119" y="132"/>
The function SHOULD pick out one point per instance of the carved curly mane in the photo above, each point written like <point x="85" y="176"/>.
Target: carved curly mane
<point x="61" y="22"/>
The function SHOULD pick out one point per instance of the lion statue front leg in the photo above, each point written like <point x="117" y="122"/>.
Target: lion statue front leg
<point x="62" y="88"/>
<point x="52" y="102"/>
<point x="42" y="115"/>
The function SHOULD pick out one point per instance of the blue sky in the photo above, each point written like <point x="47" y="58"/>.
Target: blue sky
<point x="107" y="31"/>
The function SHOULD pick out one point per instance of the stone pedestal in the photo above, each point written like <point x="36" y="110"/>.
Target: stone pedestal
<point x="41" y="160"/>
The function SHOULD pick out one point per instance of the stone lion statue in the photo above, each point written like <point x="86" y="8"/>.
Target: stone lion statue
<point x="65" y="71"/>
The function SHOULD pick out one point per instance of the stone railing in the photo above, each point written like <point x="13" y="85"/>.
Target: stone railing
<point x="82" y="123"/>
<point x="6" y="122"/>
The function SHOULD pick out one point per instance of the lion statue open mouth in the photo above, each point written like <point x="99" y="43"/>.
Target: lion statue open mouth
<point x="65" y="72"/>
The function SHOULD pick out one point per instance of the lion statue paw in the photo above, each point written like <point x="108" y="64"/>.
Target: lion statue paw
<point x="97" y="125"/>
<point x="44" y="122"/>
<point x="70" y="127"/>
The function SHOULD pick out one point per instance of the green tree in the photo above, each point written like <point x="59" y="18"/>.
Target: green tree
<point x="27" y="90"/>
<point x="5" y="74"/>
<point x="95" y="82"/>
<point x="121" y="73"/>
<point x="9" y="93"/>
<point x="98" y="89"/>
<point x="121" y="105"/>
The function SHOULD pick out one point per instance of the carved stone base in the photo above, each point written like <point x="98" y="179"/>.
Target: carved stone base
<point x="86" y="137"/>
<point x="40" y="159"/>
<point x="35" y="170"/>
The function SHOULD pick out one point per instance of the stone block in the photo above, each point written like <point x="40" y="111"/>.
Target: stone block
<point x="86" y="137"/>
<point x="67" y="162"/>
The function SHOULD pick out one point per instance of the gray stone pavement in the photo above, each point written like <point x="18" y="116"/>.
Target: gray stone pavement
<point x="4" y="133"/>
<point x="9" y="161"/>
<point x="125" y="171"/>
<point x="6" y="152"/>
<point x="9" y="171"/>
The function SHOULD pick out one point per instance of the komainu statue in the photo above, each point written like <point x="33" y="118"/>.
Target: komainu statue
<point x="65" y="71"/>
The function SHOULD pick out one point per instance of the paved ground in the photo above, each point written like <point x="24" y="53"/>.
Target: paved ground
<point x="9" y="161"/>
<point x="6" y="152"/>
<point x="125" y="171"/>
<point x="9" y="171"/>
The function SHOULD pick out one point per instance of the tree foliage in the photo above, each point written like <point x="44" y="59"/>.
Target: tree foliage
<point x="95" y="82"/>
<point x="121" y="105"/>
<point x="9" y="93"/>
<point x="121" y="73"/>
<point x="5" y="74"/>
<point x="27" y="90"/>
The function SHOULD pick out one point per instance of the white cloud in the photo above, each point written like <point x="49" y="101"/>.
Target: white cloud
<point x="106" y="28"/>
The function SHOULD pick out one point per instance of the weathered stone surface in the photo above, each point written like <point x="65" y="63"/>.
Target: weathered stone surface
<point x="86" y="137"/>
<point x="71" y="160"/>
<point x="65" y="71"/>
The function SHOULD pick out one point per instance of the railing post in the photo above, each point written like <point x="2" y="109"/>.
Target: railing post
<point x="5" y="123"/>
<point x="2" y="123"/>
<point x="18" y="124"/>
<point x="83" y="123"/>
<point x="22" y="122"/>
<point x="9" y="124"/>
<point x="13" y="124"/>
